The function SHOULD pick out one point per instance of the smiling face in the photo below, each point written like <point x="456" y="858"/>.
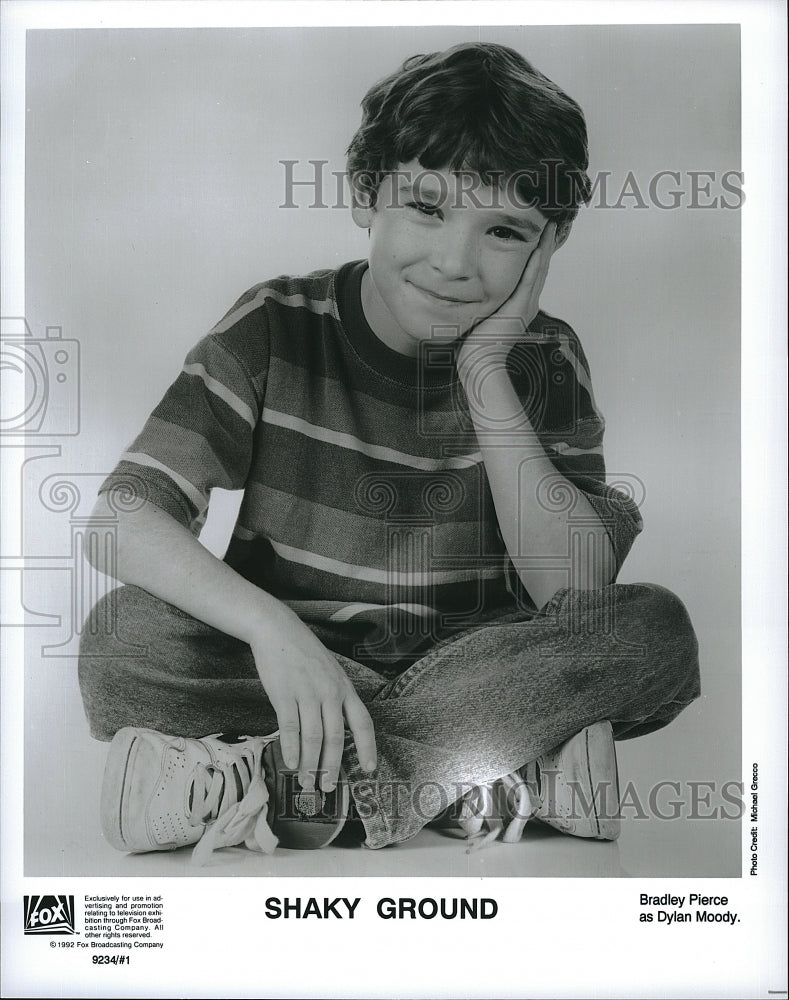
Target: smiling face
<point x="445" y="252"/>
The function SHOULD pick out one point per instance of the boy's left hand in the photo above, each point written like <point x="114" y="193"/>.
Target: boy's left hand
<point x="498" y="333"/>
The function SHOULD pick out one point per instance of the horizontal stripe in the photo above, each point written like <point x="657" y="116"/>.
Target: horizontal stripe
<point x="411" y="420"/>
<point x="348" y="441"/>
<point x="450" y="502"/>
<point x="188" y="404"/>
<point x="257" y="562"/>
<point x="586" y="471"/>
<point x="377" y="533"/>
<point x="351" y="610"/>
<point x="294" y="300"/>
<point x="348" y="480"/>
<point x="139" y="458"/>
<point x="564" y="449"/>
<point x="186" y="452"/>
<point x="386" y="577"/>
<point x="222" y="391"/>
<point x="150" y="486"/>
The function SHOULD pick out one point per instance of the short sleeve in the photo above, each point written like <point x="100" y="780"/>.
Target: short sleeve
<point x="200" y="436"/>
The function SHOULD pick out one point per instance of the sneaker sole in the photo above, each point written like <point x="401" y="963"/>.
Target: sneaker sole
<point x="304" y="832"/>
<point x="119" y="759"/>
<point x="601" y="758"/>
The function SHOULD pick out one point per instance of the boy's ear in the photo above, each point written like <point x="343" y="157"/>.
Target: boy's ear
<point x="362" y="215"/>
<point x="362" y="204"/>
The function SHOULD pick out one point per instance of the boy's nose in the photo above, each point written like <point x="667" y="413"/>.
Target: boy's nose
<point x="454" y="255"/>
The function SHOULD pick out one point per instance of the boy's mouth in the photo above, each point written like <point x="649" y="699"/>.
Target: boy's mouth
<point x="450" y="299"/>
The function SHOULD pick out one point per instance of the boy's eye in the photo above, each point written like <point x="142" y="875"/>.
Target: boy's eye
<point x="424" y="208"/>
<point x="505" y="233"/>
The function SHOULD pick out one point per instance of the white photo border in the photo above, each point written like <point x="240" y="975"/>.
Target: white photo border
<point x="605" y="953"/>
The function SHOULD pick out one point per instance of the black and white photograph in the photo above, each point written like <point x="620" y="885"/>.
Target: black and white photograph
<point x="388" y="488"/>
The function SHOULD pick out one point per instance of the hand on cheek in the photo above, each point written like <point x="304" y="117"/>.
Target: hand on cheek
<point x="518" y="311"/>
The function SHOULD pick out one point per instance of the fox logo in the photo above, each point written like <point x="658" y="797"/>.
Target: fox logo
<point x="49" y="914"/>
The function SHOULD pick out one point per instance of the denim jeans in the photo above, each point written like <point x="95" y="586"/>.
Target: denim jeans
<point x="475" y="707"/>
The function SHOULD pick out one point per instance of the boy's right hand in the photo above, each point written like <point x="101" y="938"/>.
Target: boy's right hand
<point x="313" y="698"/>
<point x="307" y="688"/>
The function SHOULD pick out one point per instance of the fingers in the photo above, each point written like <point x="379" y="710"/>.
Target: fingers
<point x="333" y="738"/>
<point x="311" y="723"/>
<point x="541" y="258"/>
<point x="289" y="733"/>
<point x="362" y="730"/>
<point x="312" y="734"/>
<point x="313" y="698"/>
<point x="545" y="250"/>
<point x="333" y="744"/>
<point x="525" y="300"/>
<point x="548" y="236"/>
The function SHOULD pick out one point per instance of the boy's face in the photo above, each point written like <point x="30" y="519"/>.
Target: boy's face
<point x="445" y="251"/>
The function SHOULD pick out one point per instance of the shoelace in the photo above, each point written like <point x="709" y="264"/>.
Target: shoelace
<point x="231" y="819"/>
<point x="505" y="819"/>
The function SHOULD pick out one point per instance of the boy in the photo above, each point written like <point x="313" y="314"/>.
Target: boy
<point x="418" y="595"/>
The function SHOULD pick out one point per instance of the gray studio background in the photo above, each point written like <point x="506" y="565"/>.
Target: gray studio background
<point x="152" y="194"/>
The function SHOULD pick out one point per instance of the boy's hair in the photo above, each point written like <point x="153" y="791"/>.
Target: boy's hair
<point x="481" y="108"/>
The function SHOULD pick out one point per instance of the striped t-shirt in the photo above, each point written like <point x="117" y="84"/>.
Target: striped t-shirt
<point x="366" y="504"/>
